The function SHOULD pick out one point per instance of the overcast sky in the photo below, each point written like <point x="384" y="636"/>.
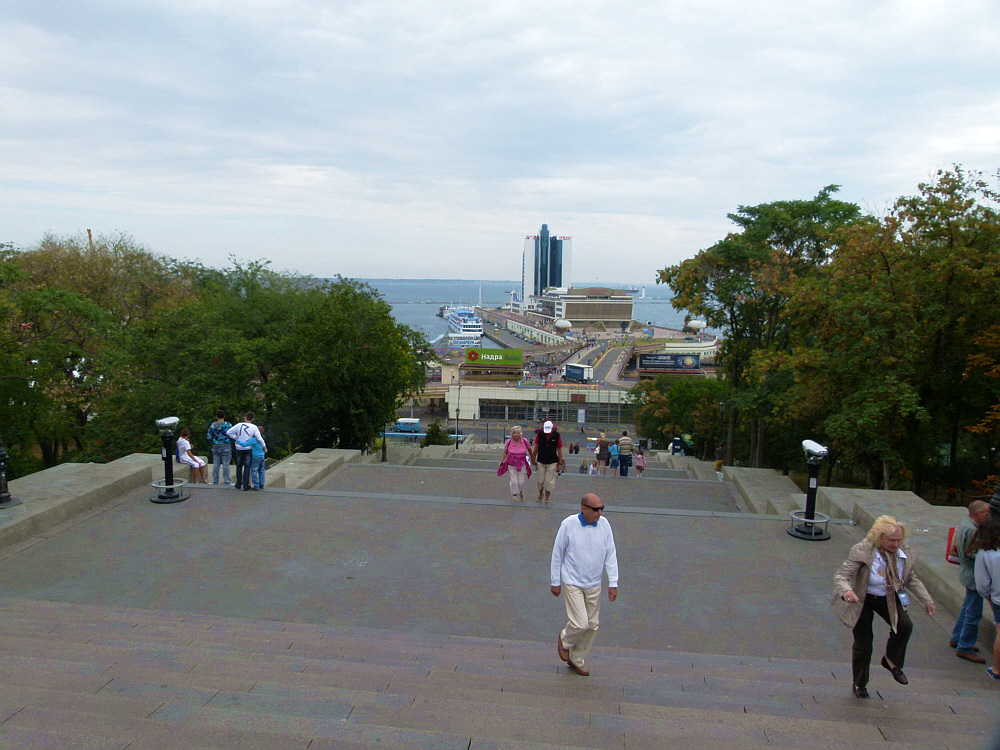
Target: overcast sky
<point x="426" y="138"/>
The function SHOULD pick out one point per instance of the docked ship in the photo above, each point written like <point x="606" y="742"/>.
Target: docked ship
<point x="465" y="326"/>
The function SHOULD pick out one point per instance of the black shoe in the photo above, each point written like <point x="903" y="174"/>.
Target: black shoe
<point x="897" y="673"/>
<point x="860" y="692"/>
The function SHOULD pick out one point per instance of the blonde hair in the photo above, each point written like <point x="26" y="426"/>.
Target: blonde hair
<point x="883" y="526"/>
<point x="602" y="436"/>
<point x="515" y="430"/>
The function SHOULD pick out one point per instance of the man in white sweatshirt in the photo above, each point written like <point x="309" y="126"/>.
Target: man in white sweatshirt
<point x="583" y="550"/>
<point x="244" y="431"/>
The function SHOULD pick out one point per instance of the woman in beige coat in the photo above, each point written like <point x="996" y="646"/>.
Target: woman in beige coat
<point x="866" y="585"/>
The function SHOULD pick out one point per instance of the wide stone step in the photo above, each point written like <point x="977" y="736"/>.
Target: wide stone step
<point x="117" y="677"/>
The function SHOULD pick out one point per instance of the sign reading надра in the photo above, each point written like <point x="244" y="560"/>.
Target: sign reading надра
<point x="505" y="357"/>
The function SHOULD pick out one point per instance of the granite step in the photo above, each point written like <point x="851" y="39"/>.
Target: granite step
<point x="109" y="677"/>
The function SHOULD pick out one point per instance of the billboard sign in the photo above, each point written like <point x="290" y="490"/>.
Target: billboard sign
<point x="669" y="362"/>
<point x="502" y="357"/>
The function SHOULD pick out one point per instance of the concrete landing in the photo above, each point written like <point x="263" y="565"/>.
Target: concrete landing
<point x="409" y="607"/>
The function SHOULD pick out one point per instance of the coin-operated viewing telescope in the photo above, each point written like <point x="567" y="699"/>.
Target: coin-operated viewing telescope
<point x="813" y="526"/>
<point x="168" y="491"/>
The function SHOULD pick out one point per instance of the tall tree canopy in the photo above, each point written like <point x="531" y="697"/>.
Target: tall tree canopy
<point x="741" y="286"/>
<point x="104" y="337"/>
<point x="874" y="334"/>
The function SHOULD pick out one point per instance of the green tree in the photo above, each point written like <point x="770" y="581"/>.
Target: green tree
<point x="437" y="434"/>
<point x="674" y="405"/>
<point x="884" y="333"/>
<point x="742" y="285"/>
<point x="67" y="300"/>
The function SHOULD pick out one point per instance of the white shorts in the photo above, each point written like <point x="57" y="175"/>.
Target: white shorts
<point x="195" y="462"/>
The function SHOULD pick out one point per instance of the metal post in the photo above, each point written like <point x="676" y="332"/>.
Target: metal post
<point x="383" y="445"/>
<point x="6" y="499"/>
<point x="458" y="411"/>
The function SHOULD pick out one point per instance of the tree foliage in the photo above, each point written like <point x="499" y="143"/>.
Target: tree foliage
<point x="742" y="285"/>
<point x="104" y="337"/>
<point x="876" y="335"/>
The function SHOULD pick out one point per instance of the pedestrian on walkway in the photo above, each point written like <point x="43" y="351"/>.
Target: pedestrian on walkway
<point x="640" y="462"/>
<point x="602" y="455"/>
<point x="199" y="473"/>
<point x="258" y="452"/>
<point x="987" y="546"/>
<point x="613" y="458"/>
<point x="244" y="456"/>
<point x="625" y="449"/>
<point x="966" y="630"/>
<point x="583" y="550"/>
<point x="547" y="458"/>
<point x="720" y="461"/>
<point x="514" y="463"/>
<point x="877" y="578"/>
<point x="222" y="447"/>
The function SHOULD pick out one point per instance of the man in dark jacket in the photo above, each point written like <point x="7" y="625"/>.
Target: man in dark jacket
<point x="547" y="458"/>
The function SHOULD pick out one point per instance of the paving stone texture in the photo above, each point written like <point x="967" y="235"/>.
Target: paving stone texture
<point x="409" y="607"/>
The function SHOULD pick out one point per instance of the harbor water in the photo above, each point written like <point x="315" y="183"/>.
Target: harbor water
<point x="415" y="302"/>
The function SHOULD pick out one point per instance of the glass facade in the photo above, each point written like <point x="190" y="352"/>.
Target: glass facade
<point x="549" y="260"/>
<point x="560" y="406"/>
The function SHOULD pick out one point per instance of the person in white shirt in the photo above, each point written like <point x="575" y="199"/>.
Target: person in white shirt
<point x="583" y="550"/>
<point x="244" y="456"/>
<point x="199" y="473"/>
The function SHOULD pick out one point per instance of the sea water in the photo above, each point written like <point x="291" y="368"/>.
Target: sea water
<point x="415" y="302"/>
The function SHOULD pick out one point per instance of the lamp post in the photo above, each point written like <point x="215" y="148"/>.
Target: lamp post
<point x="383" y="445"/>
<point x="6" y="499"/>
<point x="458" y="411"/>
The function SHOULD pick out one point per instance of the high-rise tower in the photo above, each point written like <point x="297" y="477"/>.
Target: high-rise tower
<point x="548" y="259"/>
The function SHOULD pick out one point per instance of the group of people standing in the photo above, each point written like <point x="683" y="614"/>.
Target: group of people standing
<point x="977" y="544"/>
<point x="617" y="455"/>
<point x="877" y="578"/>
<point x="244" y="439"/>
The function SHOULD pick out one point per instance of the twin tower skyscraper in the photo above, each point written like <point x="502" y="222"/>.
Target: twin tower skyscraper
<point x="546" y="264"/>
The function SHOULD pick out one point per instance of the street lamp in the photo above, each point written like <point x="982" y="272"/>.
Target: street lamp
<point x="6" y="499"/>
<point x="458" y="411"/>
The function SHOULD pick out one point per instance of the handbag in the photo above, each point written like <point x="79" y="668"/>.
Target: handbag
<point x="950" y="553"/>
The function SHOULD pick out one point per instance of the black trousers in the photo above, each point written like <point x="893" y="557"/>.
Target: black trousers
<point x="243" y="459"/>
<point x="895" y="648"/>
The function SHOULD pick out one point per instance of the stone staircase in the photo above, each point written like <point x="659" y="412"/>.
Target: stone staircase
<point x="92" y="676"/>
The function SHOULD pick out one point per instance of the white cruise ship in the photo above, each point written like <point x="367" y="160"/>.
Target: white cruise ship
<point x="465" y="325"/>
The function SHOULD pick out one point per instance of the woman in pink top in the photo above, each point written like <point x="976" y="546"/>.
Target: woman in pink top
<point x="514" y="462"/>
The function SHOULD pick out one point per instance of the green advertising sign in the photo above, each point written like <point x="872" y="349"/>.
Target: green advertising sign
<point x="506" y="357"/>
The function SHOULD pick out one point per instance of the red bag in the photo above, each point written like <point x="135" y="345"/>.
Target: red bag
<point x="951" y="554"/>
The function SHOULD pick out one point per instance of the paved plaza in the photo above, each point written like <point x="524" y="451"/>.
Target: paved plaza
<point x="442" y="550"/>
<point x="409" y="607"/>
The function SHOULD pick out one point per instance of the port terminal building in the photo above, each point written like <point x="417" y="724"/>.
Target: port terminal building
<point x="488" y="385"/>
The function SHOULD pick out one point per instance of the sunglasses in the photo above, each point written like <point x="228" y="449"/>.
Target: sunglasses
<point x="598" y="509"/>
